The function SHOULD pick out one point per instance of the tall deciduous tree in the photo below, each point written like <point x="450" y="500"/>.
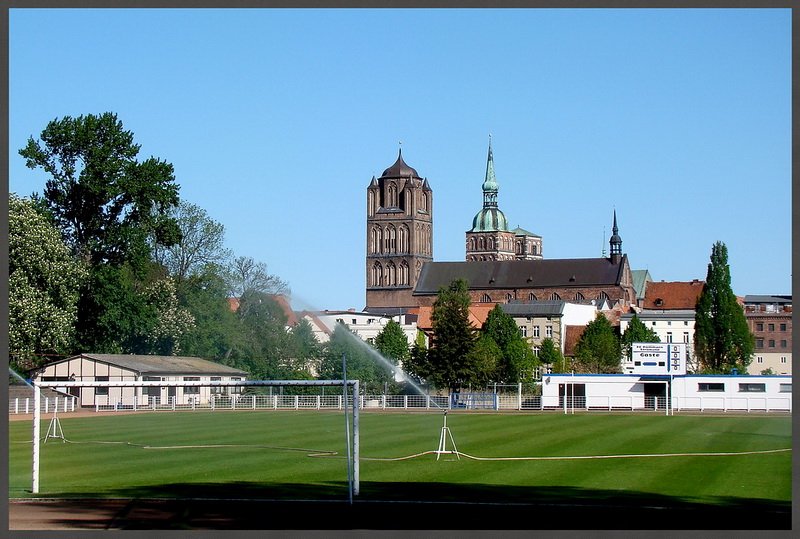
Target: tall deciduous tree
<point x="550" y="354"/>
<point x="636" y="332"/>
<point x="450" y="360"/>
<point x="201" y="243"/>
<point x="107" y="205"/>
<point x="105" y="202"/>
<point x="598" y="348"/>
<point x="372" y="375"/>
<point x="722" y="340"/>
<point x="392" y="343"/>
<point x="43" y="284"/>
<point x="244" y="274"/>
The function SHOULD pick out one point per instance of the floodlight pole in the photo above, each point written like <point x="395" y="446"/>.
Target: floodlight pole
<point x="37" y="398"/>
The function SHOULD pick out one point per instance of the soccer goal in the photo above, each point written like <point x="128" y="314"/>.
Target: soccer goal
<point x="351" y="400"/>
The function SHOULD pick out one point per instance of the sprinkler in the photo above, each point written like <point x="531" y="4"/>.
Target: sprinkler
<point x="443" y="440"/>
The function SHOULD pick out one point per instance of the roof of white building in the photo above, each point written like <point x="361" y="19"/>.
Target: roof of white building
<point x="144" y="364"/>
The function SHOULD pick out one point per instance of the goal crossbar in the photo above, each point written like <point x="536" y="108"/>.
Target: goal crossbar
<point x="38" y="385"/>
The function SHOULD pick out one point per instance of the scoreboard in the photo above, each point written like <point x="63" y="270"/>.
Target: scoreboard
<point x="657" y="358"/>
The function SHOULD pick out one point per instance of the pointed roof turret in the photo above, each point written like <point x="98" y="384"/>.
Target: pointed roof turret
<point x="490" y="218"/>
<point x="490" y="182"/>
<point x="399" y="169"/>
<point x="616" y="241"/>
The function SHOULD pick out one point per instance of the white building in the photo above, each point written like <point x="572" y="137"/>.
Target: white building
<point x="131" y="368"/>
<point x="688" y="392"/>
<point x="366" y="325"/>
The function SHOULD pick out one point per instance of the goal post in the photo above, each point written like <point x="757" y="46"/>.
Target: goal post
<point x="354" y="384"/>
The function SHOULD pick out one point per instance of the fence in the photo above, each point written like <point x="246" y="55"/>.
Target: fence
<point x="481" y="401"/>
<point x="25" y="405"/>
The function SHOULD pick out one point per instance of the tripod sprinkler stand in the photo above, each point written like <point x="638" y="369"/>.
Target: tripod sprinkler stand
<point x="54" y="430"/>
<point x="443" y="441"/>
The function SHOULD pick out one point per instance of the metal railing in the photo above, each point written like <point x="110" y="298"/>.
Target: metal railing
<point x="497" y="402"/>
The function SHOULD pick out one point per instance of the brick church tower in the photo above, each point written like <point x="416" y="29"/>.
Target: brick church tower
<point x="399" y="236"/>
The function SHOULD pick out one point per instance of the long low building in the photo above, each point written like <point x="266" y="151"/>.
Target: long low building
<point x="688" y="392"/>
<point x="131" y="368"/>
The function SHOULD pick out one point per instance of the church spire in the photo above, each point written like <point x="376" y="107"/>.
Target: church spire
<point x="615" y="242"/>
<point x="490" y="187"/>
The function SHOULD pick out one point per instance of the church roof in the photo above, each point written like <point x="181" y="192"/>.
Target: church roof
<point x="503" y="274"/>
<point x="522" y="232"/>
<point x="399" y="169"/>
<point x="489" y="220"/>
<point x="640" y="280"/>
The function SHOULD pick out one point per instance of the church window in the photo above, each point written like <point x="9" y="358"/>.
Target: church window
<point x="404" y="238"/>
<point x="486" y="299"/>
<point x="509" y="298"/>
<point x="579" y="297"/>
<point x="391" y="274"/>
<point x="392" y="195"/>
<point x="531" y="297"/>
<point x="555" y="297"/>
<point x="403" y="273"/>
<point x="603" y="296"/>
<point x="535" y="250"/>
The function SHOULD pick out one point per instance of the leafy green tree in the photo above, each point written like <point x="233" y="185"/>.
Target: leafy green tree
<point x="43" y="285"/>
<point x="105" y="202"/>
<point x="372" y="375"/>
<point x="392" y="343"/>
<point x="417" y="365"/>
<point x="636" y="332"/>
<point x="172" y="321"/>
<point x="485" y="360"/>
<point x="722" y="340"/>
<point x="107" y="205"/>
<point x="305" y="351"/>
<point x="263" y="348"/>
<point x="217" y="331"/>
<point x="598" y="348"/>
<point x="517" y="361"/>
<point x="550" y="354"/>
<point x="450" y="362"/>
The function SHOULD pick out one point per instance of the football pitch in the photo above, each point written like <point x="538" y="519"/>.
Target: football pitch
<point x="531" y="471"/>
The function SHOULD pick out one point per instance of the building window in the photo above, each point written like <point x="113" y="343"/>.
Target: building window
<point x="783" y="327"/>
<point x="771" y="327"/>
<point x="217" y="390"/>
<point x="759" y="359"/>
<point x="548" y="331"/>
<point x="669" y="322"/>
<point x="783" y="359"/>
<point x="536" y="351"/>
<point x="536" y="332"/>
<point x="772" y="343"/>
<point x="486" y="299"/>
<point x="686" y="337"/>
<point x="759" y="326"/>
<point x="523" y="331"/>
<point x="555" y="297"/>
<point x="191" y="390"/>
<point x="759" y="343"/>
<point x="783" y="343"/>
<point x="685" y="322"/>
<point x="710" y="386"/>
<point x="654" y="324"/>
<point x="752" y="388"/>
<point x="101" y="390"/>
<point x="509" y="298"/>
<point x="236" y="389"/>
<point x="531" y="297"/>
<point x="785" y="388"/>
<point x="579" y="297"/>
<point x="669" y="336"/>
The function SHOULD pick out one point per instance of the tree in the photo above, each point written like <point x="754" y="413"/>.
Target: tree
<point x="263" y="348"/>
<point x="417" y="365"/>
<point x="722" y="340"/>
<point x="517" y="360"/>
<point x="550" y="354"/>
<point x="636" y="332"/>
<point x="392" y="343"/>
<point x="485" y="361"/>
<point x="201" y="243"/>
<point x="43" y="286"/>
<point x="105" y="202"/>
<point x="244" y="275"/>
<point x="305" y="351"/>
<point x="598" y="348"/>
<point x="107" y="206"/>
<point x="360" y="366"/>
<point x="450" y="362"/>
<point x="172" y="322"/>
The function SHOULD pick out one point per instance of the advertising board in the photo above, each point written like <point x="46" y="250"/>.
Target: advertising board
<point x="657" y="358"/>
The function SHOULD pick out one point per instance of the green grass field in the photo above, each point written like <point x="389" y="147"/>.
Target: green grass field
<point x="268" y="457"/>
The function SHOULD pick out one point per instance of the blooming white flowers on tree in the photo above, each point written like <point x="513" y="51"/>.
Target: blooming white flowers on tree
<point x="44" y="279"/>
<point x="172" y="321"/>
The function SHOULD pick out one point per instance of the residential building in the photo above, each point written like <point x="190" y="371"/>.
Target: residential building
<point x="770" y="321"/>
<point x="364" y="324"/>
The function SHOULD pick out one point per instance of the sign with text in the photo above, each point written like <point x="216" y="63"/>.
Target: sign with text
<point x="657" y="358"/>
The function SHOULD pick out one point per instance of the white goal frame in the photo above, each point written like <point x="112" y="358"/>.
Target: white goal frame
<point x="353" y="457"/>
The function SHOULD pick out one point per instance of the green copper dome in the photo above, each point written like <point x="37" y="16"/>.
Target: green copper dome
<point x="489" y="220"/>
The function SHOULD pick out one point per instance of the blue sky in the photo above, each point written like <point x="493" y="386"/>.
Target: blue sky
<point x="276" y="120"/>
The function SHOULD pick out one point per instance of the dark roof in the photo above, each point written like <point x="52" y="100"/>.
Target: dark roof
<point x="399" y="169"/>
<point x="502" y="274"/>
<point x="541" y="308"/>
<point x="144" y="364"/>
<point x="756" y="298"/>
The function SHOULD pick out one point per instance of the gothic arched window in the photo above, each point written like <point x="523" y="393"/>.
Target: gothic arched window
<point x="555" y="297"/>
<point x="486" y="299"/>
<point x="579" y="297"/>
<point x="531" y="297"/>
